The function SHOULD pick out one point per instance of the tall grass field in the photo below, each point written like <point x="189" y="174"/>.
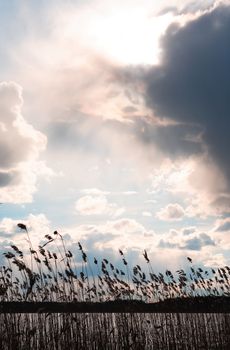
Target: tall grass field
<point x="50" y="273"/>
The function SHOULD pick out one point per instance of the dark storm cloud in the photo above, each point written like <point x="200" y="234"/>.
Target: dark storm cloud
<point x="175" y="140"/>
<point x="89" y="134"/>
<point x="192" y="83"/>
<point x="6" y="178"/>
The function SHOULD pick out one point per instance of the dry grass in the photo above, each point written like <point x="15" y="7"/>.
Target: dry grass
<point x="51" y="274"/>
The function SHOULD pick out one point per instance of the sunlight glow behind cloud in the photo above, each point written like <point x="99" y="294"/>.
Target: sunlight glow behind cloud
<point x="118" y="141"/>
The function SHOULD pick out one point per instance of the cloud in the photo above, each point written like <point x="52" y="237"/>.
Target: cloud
<point x="94" y="192"/>
<point x="129" y="193"/>
<point x="37" y="225"/>
<point x="8" y="227"/>
<point x="97" y="205"/>
<point x="192" y="240"/>
<point x="197" y="243"/>
<point x="123" y="233"/>
<point x="191" y="7"/>
<point x="172" y="211"/>
<point x="146" y="214"/>
<point x="188" y="230"/>
<point x="86" y="144"/>
<point x="20" y="147"/>
<point x="196" y="7"/>
<point x="171" y="9"/>
<point x="216" y="260"/>
<point x="191" y="84"/>
<point x="19" y="140"/>
<point x="197" y="182"/>
<point x="166" y="244"/>
<point x="174" y="140"/>
<point x="223" y="225"/>
<point x="125" y="225"/>
<point x="129" y="235"/>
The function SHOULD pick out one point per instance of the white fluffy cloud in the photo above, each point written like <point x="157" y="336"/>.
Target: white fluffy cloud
<point x="97" y="205"/>
<point x="187" y="239"/>
<point x="38" y="226"/>
<point x="197" y="181"/>
<point x="20" y="147"/>
<point x="172" y="211"/>
<point x="165" y="250"/>
<point x="124" y="233"/>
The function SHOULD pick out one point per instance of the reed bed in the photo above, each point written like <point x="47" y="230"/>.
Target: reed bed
<point x="51" y="273"/>
<point x="115" y="331"/>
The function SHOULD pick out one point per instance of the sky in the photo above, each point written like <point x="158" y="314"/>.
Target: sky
<point x="114" y="127"/>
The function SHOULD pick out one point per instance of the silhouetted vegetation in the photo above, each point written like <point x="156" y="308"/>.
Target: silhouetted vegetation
<point x="51" y="274"/>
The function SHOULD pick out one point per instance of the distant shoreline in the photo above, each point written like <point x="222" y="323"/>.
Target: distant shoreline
<point x="209" y="304"/>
